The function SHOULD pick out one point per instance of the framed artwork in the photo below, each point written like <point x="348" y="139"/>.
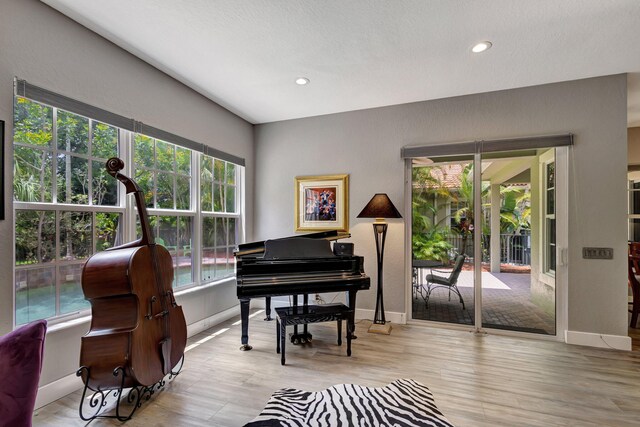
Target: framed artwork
<point x="322" y="203"/>
<point x="1" y="170"/>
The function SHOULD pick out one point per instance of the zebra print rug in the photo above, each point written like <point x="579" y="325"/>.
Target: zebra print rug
<point x="401" y="403"/>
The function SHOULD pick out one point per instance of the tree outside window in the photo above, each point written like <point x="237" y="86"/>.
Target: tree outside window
<point x="67" y="207"/>
<point x="61" y="218"/>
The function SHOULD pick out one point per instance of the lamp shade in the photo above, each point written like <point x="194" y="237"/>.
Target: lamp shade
<point x="379" y="206"/>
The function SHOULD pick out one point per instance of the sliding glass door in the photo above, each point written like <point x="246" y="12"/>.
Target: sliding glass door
<point x="519" y="241"/>
<point x="442" y="230"/>
<point x="483" y="239"/>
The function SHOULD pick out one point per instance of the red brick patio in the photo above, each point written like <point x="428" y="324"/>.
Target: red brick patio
<point x="506" y="304"/>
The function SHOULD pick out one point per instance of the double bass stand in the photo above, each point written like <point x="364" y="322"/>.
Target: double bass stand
<point x="134" y="398"/>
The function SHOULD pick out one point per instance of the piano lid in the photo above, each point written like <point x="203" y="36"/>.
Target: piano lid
<point x="297" y="247"/>
<point x="258" y="247"/>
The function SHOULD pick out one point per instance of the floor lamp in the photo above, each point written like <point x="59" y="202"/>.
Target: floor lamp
<point x="380" y="207"/>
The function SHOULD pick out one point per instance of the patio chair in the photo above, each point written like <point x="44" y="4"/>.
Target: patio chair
<point x="449" y="282"/>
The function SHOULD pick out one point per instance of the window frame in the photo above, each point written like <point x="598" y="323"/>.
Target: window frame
<point x="633" y="177"/>
<point x="59" y="208"/>
<point x="545" y="159"/>
<point x="126" y="208"/>
<point x="237" y="214"/>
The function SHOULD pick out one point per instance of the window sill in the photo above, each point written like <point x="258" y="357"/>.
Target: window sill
<point x="548" y="279"/>
<point x="195" y="289"/>
<point x="68" y="324"/>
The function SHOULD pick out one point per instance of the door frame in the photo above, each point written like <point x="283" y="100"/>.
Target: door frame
<point x="562" y="244"/>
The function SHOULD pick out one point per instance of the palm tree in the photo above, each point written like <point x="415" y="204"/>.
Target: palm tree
<point x="434" y="182"/>
<point x="428" y="237"/>
<point x="515" y="212"/>
<point x="465" y="216"/>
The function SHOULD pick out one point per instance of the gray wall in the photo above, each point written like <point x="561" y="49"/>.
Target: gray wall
<point x="366" y="144"/>
<point x="45" y="48"/>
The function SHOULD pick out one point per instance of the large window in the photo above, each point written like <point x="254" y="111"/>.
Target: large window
<point x="67" y="207"/>
<point x="61" y="218"/>
<point x="220" y="218"/>
<point x="163" y="171"/>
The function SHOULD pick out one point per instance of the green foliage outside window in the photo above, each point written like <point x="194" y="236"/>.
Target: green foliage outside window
<point x="32" y="167"/>
<point x="428" y="240"/>
<point x="217" y="185"/>
<point x="163" y="172"/>
<point x="67" y="207"/>
<point x="432" y="227"/>
<point x="52" y="244"/>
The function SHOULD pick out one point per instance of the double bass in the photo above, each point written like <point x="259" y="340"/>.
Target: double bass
<point x="136" y="324"/>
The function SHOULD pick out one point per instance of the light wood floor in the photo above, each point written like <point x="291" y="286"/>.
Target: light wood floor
<point x="635" y="339"/>
<point x="476" y="380"/>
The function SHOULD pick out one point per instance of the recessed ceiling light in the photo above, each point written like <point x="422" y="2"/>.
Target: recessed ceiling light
<point x="302" y="81"/>
<point x="481" y="47"/>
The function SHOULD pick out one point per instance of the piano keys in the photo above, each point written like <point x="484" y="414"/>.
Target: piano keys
<point x="299" y="265"/>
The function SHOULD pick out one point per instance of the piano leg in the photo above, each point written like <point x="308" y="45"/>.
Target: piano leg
<point x="351" y="302"/>
<point x="305" y="334"/>
<point x="267" y="301"/>
<point x="295" y="337"/>
<point x="244" y="316"/>
<point x="277" y="336"/>
<point x="283" y="333"/>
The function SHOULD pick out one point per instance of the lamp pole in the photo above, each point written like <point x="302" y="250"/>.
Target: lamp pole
<point x="380" y="234"/>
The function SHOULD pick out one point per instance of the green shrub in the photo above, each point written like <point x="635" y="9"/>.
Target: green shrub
<point x="431" y="245"/>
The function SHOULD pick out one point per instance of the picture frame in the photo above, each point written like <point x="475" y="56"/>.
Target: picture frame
<point x="1" y="170"/>
<point x="322" y="203"/>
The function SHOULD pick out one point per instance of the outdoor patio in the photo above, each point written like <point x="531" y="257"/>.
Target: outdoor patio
<point x="506" y="303"/>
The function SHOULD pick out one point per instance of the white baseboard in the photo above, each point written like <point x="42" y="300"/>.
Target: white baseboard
<point x="617" y="342"/>
<point x="57" y="389"/>
<point x="211" y="321"/>
<point x="390" y="316"/>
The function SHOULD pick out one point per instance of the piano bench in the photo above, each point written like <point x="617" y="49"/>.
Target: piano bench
<point x="304" y="314"/>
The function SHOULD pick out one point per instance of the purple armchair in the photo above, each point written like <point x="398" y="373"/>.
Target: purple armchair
<point x="21" y="355"/>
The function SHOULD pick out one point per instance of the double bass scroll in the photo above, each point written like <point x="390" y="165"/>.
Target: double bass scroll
<point x="136" y="324"/>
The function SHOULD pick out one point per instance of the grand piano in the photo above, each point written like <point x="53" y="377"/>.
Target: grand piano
<point x="298" y="265"/>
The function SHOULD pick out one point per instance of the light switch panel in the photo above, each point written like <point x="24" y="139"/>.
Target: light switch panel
<point x="597" y="253"/>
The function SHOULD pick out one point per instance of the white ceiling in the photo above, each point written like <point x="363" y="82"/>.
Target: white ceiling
<point x="246" y="54"/>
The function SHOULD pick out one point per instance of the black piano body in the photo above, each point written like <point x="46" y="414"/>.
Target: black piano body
<point x="299" y="265"/>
